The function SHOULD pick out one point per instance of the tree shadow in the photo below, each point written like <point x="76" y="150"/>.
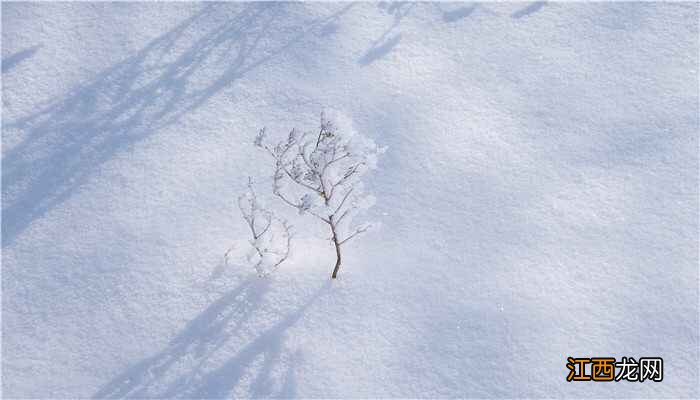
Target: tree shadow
<point x="13" y="60"/>
<point x="378" y="51"/>
<point x="181" y="369"/>
<point x="268" y="345"/>
<point x="532" y="8"/>
<point x="70" y="137"/>
<point x="458" y="13"/>
<point x="387" y="41"/>
<point x="332" y="25"/>
<point x="201" y="338"/>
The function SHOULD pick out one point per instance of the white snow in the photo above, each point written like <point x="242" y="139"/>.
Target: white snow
<point x="538" y="199"/>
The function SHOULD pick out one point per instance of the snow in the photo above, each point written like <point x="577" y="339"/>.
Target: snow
<point x="538" y="199"/>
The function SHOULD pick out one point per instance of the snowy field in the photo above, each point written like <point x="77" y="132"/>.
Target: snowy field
<point x="538" y="199"/>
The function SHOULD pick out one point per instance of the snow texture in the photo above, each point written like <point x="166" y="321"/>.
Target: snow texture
<point x="539" y="199"/>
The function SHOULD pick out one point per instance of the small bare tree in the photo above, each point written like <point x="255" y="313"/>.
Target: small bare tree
<point x="320" y="173"/>
<point x="271" y="235"/>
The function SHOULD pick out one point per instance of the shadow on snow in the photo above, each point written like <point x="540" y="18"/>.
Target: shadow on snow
<point x="70" y="137"/>
<point x="9" y="62"/>
<point x="183" y="368"/>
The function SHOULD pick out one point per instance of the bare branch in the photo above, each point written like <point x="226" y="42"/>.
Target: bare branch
<point x="340" y="219"/>
<point x="302" y="152"/>
<point x="351" y="171"/>
<point x="298" y="182"/>
<point x="323" y="162"/>
<point x="267" y="227"/>
<point x="322" y="174"/>
<point x="279" y="194"/>
<point x="321" y="131"/>
<point x="285" y="254"/>
<point x="263" y="240"/>
<point x="342" y="202"/>
<point x="357" y="232"/>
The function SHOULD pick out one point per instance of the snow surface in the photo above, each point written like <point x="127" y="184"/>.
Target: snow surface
<point x="539" y="198"/>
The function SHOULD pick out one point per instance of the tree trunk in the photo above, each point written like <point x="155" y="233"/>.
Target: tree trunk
<point x="337" y="251"/>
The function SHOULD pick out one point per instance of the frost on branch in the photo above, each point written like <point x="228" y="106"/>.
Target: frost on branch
<point x="320" y="173"/>
<point x="270" y="235"/>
